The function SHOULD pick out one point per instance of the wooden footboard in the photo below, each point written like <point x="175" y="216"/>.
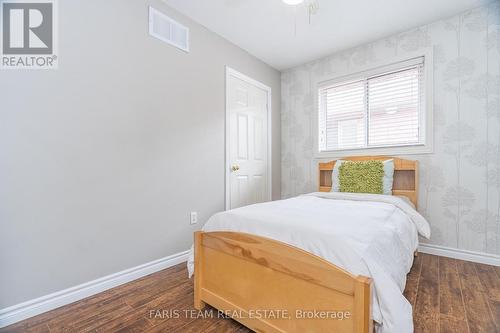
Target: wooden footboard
<point x="270" y="286"/>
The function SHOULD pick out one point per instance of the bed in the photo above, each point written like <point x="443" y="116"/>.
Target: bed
<point x="321" y="262"/>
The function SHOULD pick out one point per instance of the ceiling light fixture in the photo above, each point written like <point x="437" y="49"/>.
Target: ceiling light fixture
<point x="293" y="2"/>
<point x="312" y="7"/>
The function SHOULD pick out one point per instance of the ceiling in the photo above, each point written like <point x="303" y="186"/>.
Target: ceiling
<point x="266" y="28"/>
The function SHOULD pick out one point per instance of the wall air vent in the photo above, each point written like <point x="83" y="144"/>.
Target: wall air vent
<point x="168" y="30"/>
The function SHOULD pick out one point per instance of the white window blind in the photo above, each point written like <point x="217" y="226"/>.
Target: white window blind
<point x="378" y="110"/>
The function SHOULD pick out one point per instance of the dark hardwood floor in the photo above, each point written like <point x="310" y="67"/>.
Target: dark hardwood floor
<point x="447" y="296"/>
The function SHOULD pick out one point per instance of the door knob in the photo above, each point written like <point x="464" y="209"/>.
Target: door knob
<point x="235" y="167"/>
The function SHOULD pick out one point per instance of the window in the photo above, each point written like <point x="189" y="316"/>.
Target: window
<point x="377" y="109"/>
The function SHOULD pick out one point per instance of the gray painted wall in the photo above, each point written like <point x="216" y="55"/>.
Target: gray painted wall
<point x="102" y="160"/>
<point x="460" y="181"/>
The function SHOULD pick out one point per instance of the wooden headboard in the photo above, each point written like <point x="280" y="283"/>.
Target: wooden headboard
<point x="405" y="175"/>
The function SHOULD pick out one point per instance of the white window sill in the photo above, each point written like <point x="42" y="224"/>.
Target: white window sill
<point x="376" y="151"/>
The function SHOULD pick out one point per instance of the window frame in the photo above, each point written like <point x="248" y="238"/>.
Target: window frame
<point x="364" y="72"/>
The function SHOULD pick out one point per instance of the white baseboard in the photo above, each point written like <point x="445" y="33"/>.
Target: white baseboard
<point x="18" y="312"/>
<point x="479" y="257"/>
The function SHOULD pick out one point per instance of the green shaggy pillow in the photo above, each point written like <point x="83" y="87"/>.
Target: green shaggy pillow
<point x="361" y="177"/>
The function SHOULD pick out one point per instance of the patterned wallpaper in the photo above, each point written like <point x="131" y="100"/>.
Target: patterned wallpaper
<point x="460" y="181"/>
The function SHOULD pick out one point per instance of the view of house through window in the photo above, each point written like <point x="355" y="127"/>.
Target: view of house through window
<point x="381" y="110"/>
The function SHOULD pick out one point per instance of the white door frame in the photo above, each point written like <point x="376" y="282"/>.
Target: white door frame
<point x="235" y="73"/>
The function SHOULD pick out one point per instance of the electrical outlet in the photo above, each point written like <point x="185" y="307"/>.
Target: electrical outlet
<point x="193" y="217"/>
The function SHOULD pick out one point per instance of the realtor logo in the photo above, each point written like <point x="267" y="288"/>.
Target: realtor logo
<point x="28" y="34"/>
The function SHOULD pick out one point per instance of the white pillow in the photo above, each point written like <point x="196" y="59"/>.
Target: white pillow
<point x="335" y="176"/>
<point x="407" y="200"/>
<point x="386" y="181"/>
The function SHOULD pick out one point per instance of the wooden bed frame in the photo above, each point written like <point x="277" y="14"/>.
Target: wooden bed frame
<point x="270" y="286"/>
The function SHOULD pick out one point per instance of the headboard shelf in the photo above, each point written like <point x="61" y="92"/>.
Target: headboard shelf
<point x="405" y="175"/>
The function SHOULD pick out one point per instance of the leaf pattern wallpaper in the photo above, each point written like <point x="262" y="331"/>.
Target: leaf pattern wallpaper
<point x="460" y="180"/>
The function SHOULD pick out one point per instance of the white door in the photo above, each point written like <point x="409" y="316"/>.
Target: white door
<point x="247" y="136"/>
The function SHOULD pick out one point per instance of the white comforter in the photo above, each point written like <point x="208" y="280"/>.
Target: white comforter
<point x="366" y="234"/>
